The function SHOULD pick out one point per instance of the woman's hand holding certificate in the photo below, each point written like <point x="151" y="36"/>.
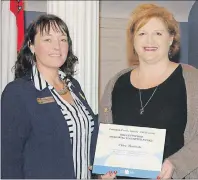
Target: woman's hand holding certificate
<point x="167" y="170"/>
<point x="131" y="151"/>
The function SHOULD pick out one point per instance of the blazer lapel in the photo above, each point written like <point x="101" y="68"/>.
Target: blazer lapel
<point x="78" y="92"/>
<point x="47" y="117"/>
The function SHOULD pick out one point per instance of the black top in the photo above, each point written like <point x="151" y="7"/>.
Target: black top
<point x="166" y="110"/>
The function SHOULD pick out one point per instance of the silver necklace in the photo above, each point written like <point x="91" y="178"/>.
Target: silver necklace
<point x="143" y="107"/>
<point x="140" y="94"/>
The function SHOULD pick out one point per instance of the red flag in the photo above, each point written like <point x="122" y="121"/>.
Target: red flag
<point x="17" y="8"/>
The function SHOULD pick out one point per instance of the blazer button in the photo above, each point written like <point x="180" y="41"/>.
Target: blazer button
<point x="106" y="110"/>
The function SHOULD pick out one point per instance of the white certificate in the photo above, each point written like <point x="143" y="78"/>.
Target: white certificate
<point x="129" y="150"/>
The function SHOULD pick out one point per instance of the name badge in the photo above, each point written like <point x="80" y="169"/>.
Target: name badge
<point x="45" y="100"/>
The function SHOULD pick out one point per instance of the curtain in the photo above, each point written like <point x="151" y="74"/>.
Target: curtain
<point x="82" y="19"/>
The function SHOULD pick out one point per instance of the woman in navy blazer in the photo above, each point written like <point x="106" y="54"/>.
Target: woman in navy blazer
<point x="48" y="130"/>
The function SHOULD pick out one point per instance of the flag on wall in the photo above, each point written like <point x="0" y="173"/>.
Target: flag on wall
<point x="17" y="8"/>
<point x="11" y="37"/>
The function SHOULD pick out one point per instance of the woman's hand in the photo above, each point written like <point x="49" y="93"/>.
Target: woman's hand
<point x="167" y="170"/>
<point x="108" y="175"/>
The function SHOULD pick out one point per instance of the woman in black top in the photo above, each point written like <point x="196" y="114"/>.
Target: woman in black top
<point x="165" y="110"/>
<point x="153" y="94"/>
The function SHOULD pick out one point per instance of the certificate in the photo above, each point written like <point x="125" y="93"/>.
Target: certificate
<point x="129" y="150"/>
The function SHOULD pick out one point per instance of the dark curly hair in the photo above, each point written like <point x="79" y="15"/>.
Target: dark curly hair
<point x="25" y="58"/>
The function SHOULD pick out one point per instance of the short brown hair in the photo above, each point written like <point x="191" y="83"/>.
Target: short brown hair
<point x="141" y="15"/>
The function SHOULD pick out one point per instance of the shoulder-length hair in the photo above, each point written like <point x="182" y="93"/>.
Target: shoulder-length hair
<point x="141" y="15"/>
<point x="25" y="58"/>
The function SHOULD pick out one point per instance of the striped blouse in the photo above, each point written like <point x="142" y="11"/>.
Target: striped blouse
<point x="79" y="121"/>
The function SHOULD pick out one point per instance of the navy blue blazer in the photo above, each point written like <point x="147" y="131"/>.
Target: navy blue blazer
<point x="35" y="140"/>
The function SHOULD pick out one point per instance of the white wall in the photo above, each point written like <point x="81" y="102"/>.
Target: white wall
<point x="112" y="49"/>
<point x="114" y="17"/>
